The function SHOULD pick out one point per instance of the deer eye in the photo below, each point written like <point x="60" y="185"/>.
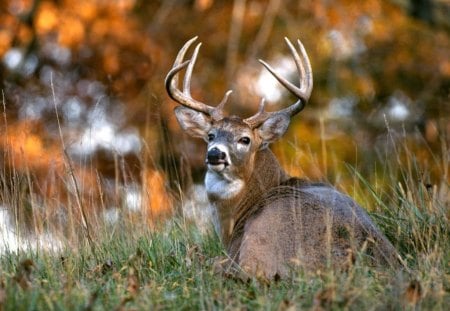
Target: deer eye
<point x="211" y="137"/>
<point x="244" y="140"/>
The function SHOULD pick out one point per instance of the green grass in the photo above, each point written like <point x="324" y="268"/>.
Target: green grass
<point x="172" y="268"/>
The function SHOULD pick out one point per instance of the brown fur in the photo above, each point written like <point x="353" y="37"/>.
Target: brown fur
<point x="281" y="222"/>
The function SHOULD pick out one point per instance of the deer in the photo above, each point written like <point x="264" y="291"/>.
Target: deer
<point x="270" y="223"/>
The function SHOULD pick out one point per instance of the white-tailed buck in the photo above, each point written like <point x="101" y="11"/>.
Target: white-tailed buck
<point x="268" y="221"/>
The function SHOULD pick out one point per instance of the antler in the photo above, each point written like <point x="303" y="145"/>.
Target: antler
<point x="303" y="92"/>
<point x="184" y="97"/>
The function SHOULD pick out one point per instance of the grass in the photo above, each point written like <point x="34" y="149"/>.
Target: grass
<point x="172" y="269"/>
<point x="132" y="266"/>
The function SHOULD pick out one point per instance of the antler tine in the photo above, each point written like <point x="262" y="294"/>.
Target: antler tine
<point x="171" y="81"/>
<point x="262" y="105"/>
<point x="184" y="97"/>
<point x="224" y="100"/>
<point x="302" y="92"/>
<point x="306" y="82"/>
<point x="261" y="114"/>
<point x="189" y="69"/>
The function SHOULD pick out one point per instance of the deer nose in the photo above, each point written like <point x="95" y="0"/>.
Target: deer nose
<point x="215" y="156"/>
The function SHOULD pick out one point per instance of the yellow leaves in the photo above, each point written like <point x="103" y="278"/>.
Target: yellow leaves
<point x="324" y="46"/>
<point x="314" y="153"/>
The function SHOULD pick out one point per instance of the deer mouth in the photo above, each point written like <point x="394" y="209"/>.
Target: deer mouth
<point x="217" y="165"/>
<point x="216" y="159"/>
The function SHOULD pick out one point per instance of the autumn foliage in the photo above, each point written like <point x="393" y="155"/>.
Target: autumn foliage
<point x="84" y="102"/>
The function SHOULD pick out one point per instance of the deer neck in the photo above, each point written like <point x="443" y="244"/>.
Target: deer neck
<point x="267" y="173"/>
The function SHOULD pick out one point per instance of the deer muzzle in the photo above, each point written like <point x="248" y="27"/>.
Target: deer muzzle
<point x="216" y="156"/>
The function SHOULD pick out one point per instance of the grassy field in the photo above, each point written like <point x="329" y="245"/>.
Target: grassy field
<point x="129" y="266"/>
<point x="172" y="269"/>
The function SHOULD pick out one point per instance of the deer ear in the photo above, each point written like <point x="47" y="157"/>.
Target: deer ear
<point x="273" y="128"/>
<point x="196" y="124"/>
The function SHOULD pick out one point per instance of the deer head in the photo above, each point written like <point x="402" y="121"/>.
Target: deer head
<point x="232" y="141"/>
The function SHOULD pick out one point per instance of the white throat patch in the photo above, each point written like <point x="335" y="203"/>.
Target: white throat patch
<point x="222" y="186"/>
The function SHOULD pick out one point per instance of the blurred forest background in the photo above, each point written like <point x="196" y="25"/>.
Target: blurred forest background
<point x="86" y="118"/>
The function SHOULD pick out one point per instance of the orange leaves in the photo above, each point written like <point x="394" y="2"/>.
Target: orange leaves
<point x="111" y="62"/>
<point x="99" y="28"/>
<point x="33" y="145"/>
<point x="202" y="5"/>
<point x="120" y="46"/>
<point x="46" y="18"/>
<point x="334" y="17"/>
<point x="11" y="30"/>
<point x="87" y="10"/>
<point x="444" y="68"/>
<point x="27" y="148"/>
<point x="27" y="152"/>
<point x="71" y="32"/>
<point x="365" y="86"/>
<point x="158" y="201"/>
<point x="5" y="41"/>
<point x="65" y="22"/>
<point x="69" y="21"/>
<point x="103" y="27"/>
<point x="125" y="5"/>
